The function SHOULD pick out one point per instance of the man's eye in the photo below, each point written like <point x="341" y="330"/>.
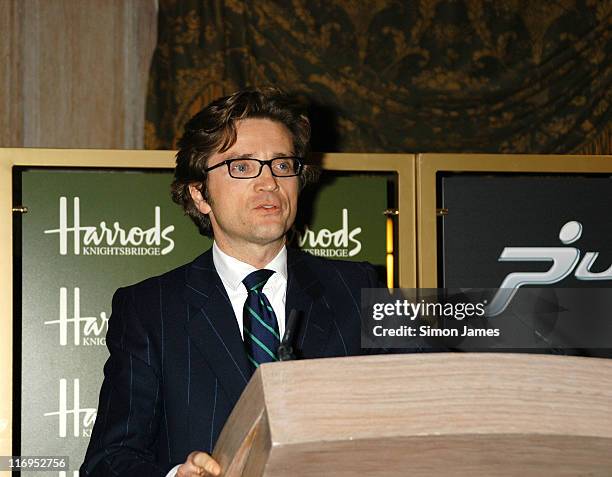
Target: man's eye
<point x="241" y="166"/>
<point x="283" y="165"/>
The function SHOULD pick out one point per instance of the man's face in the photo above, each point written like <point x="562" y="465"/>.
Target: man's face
<point x="257" y="211"/>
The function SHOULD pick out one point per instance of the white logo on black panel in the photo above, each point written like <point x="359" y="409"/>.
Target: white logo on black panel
<point x="565" y="260"/>
<point x="105" y="239"/>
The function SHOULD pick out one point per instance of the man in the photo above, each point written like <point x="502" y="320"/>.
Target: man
<point x="184" y="345"/>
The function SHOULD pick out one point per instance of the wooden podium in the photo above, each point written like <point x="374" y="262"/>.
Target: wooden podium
<point x="437" y="414"/>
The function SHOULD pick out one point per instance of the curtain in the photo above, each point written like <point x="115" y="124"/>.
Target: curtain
<point x="496" y="76"/>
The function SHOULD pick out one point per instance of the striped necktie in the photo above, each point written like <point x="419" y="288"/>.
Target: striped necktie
<point x="261" y="336"/>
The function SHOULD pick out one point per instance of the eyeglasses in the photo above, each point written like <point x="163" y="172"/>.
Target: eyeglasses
<point x="250" y="168"/>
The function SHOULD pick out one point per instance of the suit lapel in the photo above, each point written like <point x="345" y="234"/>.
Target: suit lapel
<point x="213" y="328"/>
<point x="305" y="293"/>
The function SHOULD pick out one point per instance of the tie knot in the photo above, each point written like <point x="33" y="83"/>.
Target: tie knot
<point x="256" y="280"/>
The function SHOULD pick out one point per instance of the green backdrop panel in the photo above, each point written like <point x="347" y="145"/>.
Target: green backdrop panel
<point x="88" y="233"/>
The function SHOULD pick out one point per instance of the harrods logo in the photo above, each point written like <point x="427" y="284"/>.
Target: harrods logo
<point x="325" y="243"/>
<point x="87" y="330"/>
<point x="103" y="239"/>
<point x="564" y="261"/>
<point x="81" y="418"/>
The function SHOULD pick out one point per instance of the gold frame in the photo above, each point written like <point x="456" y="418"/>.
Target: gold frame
<point x="402" y="164"/>
<point x="428" y="165"/>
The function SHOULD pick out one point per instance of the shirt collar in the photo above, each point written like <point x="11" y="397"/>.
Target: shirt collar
<point x="232" y="271"/>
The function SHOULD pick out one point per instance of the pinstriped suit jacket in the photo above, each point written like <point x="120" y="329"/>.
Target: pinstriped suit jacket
<point x="177" y="362"/>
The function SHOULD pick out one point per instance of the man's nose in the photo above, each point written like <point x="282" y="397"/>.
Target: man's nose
<point x="266" y="179"/>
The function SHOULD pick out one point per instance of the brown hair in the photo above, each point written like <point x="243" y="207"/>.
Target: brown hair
<point x="213" y="130"/>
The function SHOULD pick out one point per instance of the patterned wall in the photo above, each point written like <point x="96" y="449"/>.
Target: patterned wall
<point x="514" y="76"/>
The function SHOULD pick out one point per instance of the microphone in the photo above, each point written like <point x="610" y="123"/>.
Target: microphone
<point x="285" y="349"/>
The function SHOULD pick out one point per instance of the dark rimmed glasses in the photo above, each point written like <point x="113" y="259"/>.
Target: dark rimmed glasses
<point x="251" y="168"/>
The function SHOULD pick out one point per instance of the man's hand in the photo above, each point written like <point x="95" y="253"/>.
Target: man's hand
<point x="199" y="464"/>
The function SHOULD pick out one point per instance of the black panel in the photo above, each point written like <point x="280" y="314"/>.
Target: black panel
<point x="488" y="212"/>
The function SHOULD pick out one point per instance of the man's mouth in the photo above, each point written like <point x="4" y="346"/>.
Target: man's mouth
<point x="268" y="207"/>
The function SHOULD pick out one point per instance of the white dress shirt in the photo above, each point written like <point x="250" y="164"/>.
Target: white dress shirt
<point x="232" y="271"/>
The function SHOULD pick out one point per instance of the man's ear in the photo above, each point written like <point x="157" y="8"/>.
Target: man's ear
<point x="198" y="200"/>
